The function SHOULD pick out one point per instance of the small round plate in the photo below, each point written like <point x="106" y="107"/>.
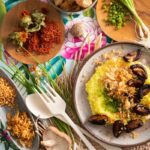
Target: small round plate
<point x="127" y="33"/>
<point x="10" y="24"/>
<point x="104" y="133"/>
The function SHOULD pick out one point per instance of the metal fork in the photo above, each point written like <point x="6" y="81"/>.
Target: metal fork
<point x="57" y="106"/>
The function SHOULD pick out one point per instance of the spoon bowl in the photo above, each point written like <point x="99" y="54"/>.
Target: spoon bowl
<point x="37" y="107"/>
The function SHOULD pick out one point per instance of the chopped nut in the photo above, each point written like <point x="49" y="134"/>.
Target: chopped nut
<point x="7" y="93"/>
<point x="127" y="104"/>
<point x="115" y="82"/>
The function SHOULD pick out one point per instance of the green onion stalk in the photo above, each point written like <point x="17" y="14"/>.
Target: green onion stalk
<point x="143" y="29"/>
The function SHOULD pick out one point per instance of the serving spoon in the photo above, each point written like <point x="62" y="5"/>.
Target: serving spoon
<point x="37" y="107"/>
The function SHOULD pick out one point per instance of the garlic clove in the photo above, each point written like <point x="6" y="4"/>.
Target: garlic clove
<point x="79" y="30"/>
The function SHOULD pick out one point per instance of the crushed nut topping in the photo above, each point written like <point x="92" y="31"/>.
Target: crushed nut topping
<point x="115" y="83"/>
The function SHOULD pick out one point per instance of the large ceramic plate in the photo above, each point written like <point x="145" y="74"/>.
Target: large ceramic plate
<point x="11" y="24"/>
<point x="83" y="109"/>
<point x="22" y="107"/>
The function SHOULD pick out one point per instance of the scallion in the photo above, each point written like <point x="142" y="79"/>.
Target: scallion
<point x="143" y="29"/>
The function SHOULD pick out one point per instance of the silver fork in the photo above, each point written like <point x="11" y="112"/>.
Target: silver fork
<point x="57" y="106"/>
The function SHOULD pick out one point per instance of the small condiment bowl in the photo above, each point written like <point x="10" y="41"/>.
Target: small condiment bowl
<point x="71" y="12"/>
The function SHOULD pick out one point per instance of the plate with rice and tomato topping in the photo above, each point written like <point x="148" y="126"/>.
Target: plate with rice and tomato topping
<point x="32" y="32"/>
<point x="112" y="94"/>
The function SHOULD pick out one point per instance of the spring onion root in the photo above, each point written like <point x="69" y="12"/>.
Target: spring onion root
<point x="143" y="29"/>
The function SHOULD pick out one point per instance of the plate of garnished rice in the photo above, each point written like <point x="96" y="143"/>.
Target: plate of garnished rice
<point x="112" y="94"/>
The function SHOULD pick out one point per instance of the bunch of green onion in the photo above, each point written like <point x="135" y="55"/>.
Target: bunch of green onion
<point x="143" y="29"/>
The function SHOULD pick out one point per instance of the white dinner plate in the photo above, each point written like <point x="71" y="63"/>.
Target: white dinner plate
<point x="104" y="133"/>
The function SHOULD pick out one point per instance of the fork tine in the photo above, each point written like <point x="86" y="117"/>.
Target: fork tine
<point x="50" y="94"/>
<point x="41" y="125"/>
<point x="43" y="96"/>
<point x="50" y="88"/>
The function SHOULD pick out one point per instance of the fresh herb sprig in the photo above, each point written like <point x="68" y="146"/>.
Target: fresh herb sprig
<point x="5" y="138"/>
<point x="143" y="29"/>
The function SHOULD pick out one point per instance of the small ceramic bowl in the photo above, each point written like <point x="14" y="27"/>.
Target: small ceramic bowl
<point x="71" y="12"/>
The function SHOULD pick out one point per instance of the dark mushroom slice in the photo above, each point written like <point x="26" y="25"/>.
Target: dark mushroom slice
<point x="137" y="98"/>
<point x="144" y="90"/>
<point x="141" y="110"/>
<point x="133" y="56"/>
<point x="118" y="128"/>
<point x="98" y="119"/>
<point x="139" y="71"/>
<point x="133" y="124"/>
<point x="136" y="82"/>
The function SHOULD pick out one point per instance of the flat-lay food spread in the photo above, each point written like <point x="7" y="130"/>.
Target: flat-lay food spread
<point x="118" y="93"/>
<point x="74" y="74"/>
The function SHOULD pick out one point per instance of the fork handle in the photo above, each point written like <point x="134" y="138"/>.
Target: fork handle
<point x="74" y="126"/>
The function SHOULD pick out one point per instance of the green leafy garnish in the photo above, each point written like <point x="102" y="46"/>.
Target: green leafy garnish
<point x="111" y="104"/>
<point x="5" y="139"/>
<point x="33" y="22"/>
<point x="118" y="14"/>
<point x="16" y="39"/>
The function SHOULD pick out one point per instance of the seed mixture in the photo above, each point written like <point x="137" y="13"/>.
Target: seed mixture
<point x="21" y="127"/>
<point x="115" y="83"/>
<point x="7" y="93"/>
